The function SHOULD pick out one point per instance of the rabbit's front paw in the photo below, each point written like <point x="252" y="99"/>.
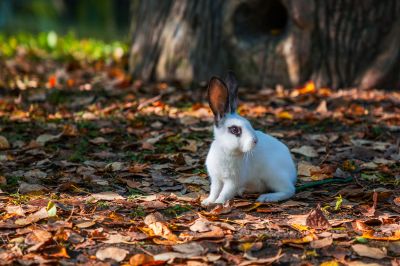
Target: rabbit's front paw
<point x="274" y="197"/>
<point x="207" y="202"/>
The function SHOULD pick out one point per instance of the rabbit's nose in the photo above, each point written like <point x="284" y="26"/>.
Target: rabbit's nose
<point x="255" y="140"/>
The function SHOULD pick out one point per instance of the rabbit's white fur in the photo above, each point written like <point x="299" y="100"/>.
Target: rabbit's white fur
<point x="254" y="162"/>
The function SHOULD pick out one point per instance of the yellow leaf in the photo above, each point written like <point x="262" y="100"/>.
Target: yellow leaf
<point x="300" y="227"/>
<point x="302" y="240"/>
<point x="51" y="209"/>
<point x="330" y="263"/>
<point x="254" y="206"/>
<point x="245" y="246"/>
<point x="370" y="235"/>
<point x="285" y="115"/>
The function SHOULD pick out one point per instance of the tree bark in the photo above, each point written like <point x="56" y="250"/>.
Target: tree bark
<point x="336" y="43"/>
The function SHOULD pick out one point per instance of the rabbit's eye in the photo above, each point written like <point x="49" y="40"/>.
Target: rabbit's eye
<point x="237" y="131"/>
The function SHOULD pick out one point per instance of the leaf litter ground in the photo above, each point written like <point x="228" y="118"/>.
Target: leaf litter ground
<point x="97" y="168"/>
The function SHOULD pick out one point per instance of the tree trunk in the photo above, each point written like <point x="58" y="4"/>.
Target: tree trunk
<point x="336" y="43"/>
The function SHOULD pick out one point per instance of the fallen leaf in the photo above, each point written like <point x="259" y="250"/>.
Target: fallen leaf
<point x="43" y="139"/>
<point x="4" y="144"/>
<point x="285" y="115"/>
<point x="200" y="225"/>
<point x="51" y="209"/>
<point x="300" y="227"/>
<point x="170" y="256"/>
<point x="306" y="169"/>
<point x="115" y="166"/>
<point x="193" y="248"/>
<point x="397" y="201"/>
<point x="140" y="259"/>
<point x="34" y="174"/>
<point x="370" y="252"/>
<point x="117" y="254"/>
<point x="371" y="211"/>
<point x="321" y="243"/>
<point x="57" y="252"/>
<point x="34" y="217"/>
<point x="85" y="224"/>
<point x="370" y="235"/>
<point x="329" y="263"/>
<point x="98" y="140"/>
<point x="25" y="188"/>
<point x="107" y="195"/>
<point x="15" y="210"/>
<point x="317" y="220"/>
<point x="306" y="239"/>
<point x="155" y="222"/>
<point x="322" y="107"/>
<point x="191" y="146"/>
<point x="361" y="263"/>
<point x="37" y="236"/>
<point x="307" y="151"/>
<point x="194" y="180"/>
<point x="116" y="238"/>
<point x="263" y="261"/>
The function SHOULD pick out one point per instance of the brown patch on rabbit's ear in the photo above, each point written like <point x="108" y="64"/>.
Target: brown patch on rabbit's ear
<point x="218" y="98"/>
<point x="232" y="84"/>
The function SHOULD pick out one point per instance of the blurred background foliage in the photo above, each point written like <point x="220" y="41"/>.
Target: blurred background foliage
<point x="103" y="19"/>
<point x="65" y="29"/>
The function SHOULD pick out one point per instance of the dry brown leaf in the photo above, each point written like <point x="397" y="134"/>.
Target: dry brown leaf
<point x="37" y="239"/>
<point x="34" y="174"/>
<point x="117" y="254"/>
<point x="4" y="144"/>
<point x="370" y="252"/>
<point x="116" y="238"/>
<point x="305" y="150"/>
<point x="191" y="146"/>
<point x="85" y="224"/>
<point x="397" y="201"/>
<point x="155" y="221"/>
<point x="321" y="243"/>
<point x="115" y="166"/>
<point x="140" y="259"/>
<point x="34" y="217"/>
<point x="317" y="220"/>
<point x="394" y="237"/>
<point x="170" y="256"/>
<point x="361" y="263"/>
<point x="215" y="232"/>
<point x="264" y="261"/>
<point x="98" y="141"/>
<point x="193" y="248"/>
<point x="107" y="195"/>
<point x="25" y="188"/>
<point x="43" y="139"/>
<point x="306" y="169"/>
<point x="201" y="225"/>
<point x="306" y="239"/>
<point x="371" y="211"/>
<point x="18" y="210"/>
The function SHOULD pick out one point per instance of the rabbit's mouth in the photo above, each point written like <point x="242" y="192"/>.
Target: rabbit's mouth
<point x="250" y="145"/>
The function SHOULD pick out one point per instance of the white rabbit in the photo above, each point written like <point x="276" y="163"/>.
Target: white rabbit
<point x="242" y="159"/>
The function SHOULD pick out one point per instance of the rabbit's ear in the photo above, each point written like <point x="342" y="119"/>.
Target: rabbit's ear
<point x="218" y="98"/>
<point x="232" y="84"/>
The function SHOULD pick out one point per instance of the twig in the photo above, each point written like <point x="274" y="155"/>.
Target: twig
<point x="72" y="211"/>
<point x="149" y="101"/>
<point x="322" y="182"/>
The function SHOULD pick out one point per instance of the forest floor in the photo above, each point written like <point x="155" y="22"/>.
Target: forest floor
<point x="97" y="168"/>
